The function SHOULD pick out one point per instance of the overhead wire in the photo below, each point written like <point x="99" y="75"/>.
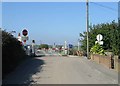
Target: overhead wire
<point x="105" y="6"/>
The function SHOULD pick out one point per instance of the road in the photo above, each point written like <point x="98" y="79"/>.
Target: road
<point x="73" y="70"/>
<point x="46" y="53"/>
<point x="61" y="70"/>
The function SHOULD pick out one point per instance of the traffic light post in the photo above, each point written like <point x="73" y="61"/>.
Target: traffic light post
<point x="24" y="38"/>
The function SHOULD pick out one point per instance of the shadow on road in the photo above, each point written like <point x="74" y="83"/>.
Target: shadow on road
<point x="23" y="73"/>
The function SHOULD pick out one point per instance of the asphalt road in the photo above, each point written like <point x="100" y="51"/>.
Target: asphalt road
<point x="61" y="70"/>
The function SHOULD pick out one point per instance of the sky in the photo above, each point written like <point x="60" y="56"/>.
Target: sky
<point x="59" y="0"/>
<point x="55" y="22"/>
<point x="119" y="10"/>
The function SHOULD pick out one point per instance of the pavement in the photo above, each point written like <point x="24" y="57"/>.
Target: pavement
<point x="61" y="70"/>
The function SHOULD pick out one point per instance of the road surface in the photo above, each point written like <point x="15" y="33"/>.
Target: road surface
<point x="61" y="70"/>
<point x="46" y="53"/>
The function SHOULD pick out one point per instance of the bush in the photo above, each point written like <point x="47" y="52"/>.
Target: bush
<point x="97" y="49"/>
<point x="44" y="46"/>
<point x="12" y="53"/>
<point x="71" y="52"/>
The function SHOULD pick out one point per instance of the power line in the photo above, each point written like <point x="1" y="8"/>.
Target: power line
<point x="105" y="7"/>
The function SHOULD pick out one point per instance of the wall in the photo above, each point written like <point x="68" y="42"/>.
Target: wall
<point x="116" y="63"/>
<point x="104" y="60"/>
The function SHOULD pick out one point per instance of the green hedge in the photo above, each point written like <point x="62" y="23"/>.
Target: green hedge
<point x="44" y="46"/>
<point x="12" y="53"/>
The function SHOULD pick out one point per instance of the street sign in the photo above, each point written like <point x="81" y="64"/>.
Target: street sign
<point x="24" y="38"/>
<point x="100" y="42"/>
<point x="25" y="32"/>
<point x="70" y="46"/>
<point x="66" y="49"/>
<point x="33" y="41"/>
<point x="99" y="37"/>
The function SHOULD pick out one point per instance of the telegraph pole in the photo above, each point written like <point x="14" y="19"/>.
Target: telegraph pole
<point x="65" y="48"/>
<point x="78" y="44"/>
<point x="87" y="27"/>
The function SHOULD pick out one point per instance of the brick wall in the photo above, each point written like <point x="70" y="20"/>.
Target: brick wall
<point x="104" y="60"/>
<point x="116" y="63"/>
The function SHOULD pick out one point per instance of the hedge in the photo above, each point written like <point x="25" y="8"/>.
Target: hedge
<point x="12" y="53"/>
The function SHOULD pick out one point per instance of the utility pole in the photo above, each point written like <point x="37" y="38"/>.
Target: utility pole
<point x="65" y="48"/>
<point x="87" y="27"/>
<point x="78" y="45"/>
<point x="33" y="47"/>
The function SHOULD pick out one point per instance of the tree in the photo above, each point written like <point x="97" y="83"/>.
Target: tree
<point x="115" y="42"/>
<point x="111" y="37"/>
<point x="44" y="46"/>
